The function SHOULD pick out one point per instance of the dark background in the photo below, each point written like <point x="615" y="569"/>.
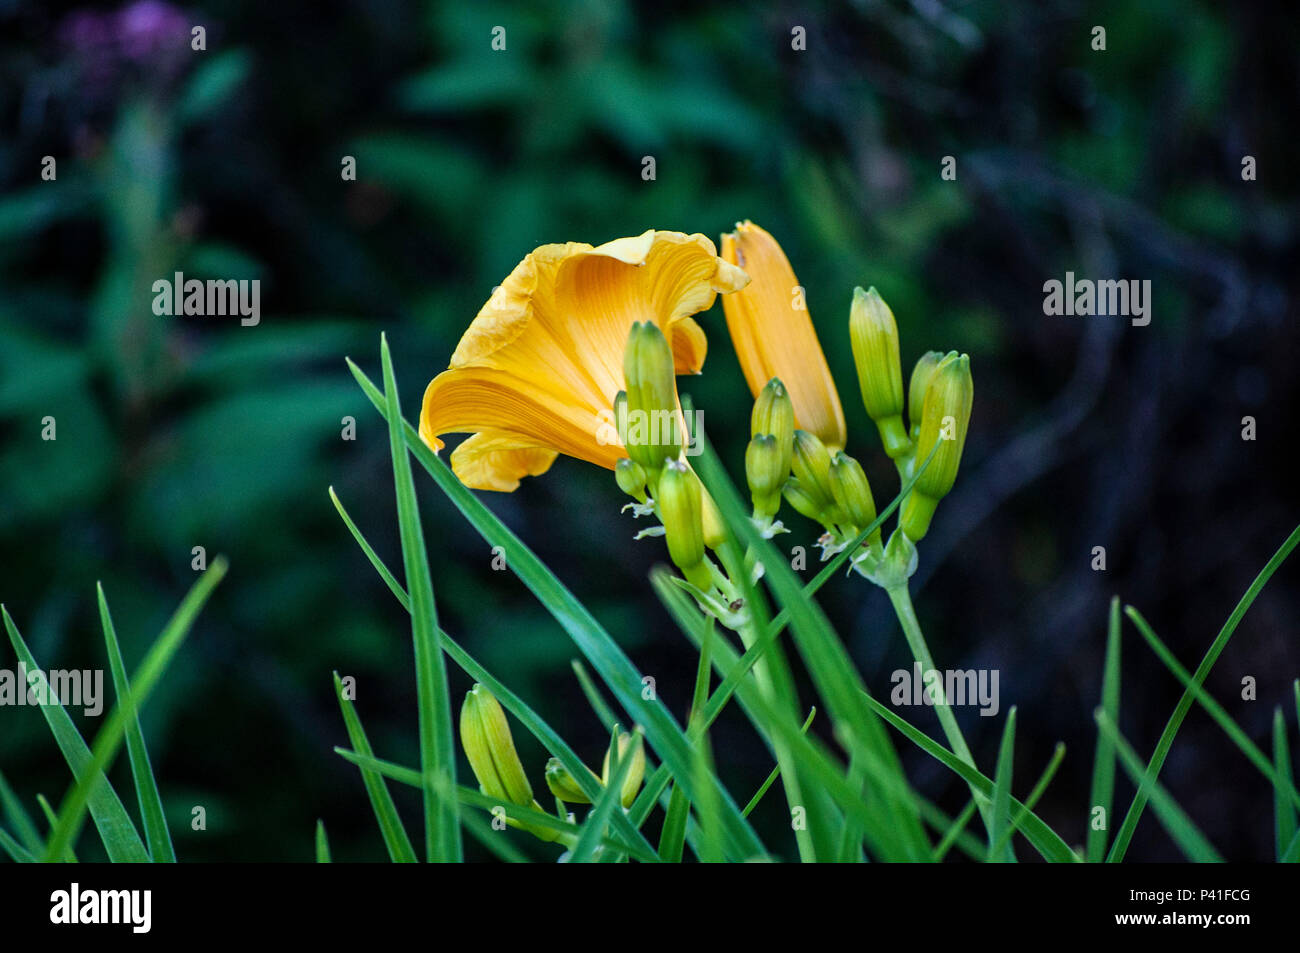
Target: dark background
<point x="177" y="432"/>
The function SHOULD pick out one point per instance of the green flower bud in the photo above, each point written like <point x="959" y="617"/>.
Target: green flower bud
<point x="773" y="412"/>
<point x="681" y="511"/>
<point x="803" y="504"/>
<point x="652" y="432"/>
<point x="812" y="468"/>
<point x="636" y="773"/>
<point x="873" y="334"/>
<point x="631" y="478"/>
<point x="485" y="735"/>
<point x="766" y="472"/>
<point x="921" y="375"/>
<point x="853" y="493"/>
<point x="944" y="420"/>
<point x="562" y="784"/>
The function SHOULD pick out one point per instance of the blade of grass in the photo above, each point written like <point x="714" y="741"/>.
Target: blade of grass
<point x="121" y="841"/>
<point x="606" y="657"/>
<point x="442" y="840"/>
<point x="672" y="838"/>
<point x="775" y="773"/>
<point x="1103" y="765"/>
<point x="381" y="801"/>
<point x="1247" y="747"/>
<point x="547" y="736"/>
<point x="50" y="818"/>
<point x="1048" y="773"/>
<point x="28" y="836"/>
<point x="594" y="697"/>
<point x="1002" y="789"/>
<point x="109" y="739"/>
<point x="1044" y="840"/>
<point x="16" y="851"/>
<point x="1125" y="834"/>
<point x="954" y="831"/>
<point x="157" y="837"/>
<point x="1284" y="812"/>
<point x="322" y="844"/>
<point x="1172" y="817"/>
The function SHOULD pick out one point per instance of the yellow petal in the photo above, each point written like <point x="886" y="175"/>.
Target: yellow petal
<point x="537" y="370"/>
<point x="774" y="336"/>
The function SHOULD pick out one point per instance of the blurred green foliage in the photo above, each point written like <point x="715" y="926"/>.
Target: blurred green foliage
<point x="181" y="432"/>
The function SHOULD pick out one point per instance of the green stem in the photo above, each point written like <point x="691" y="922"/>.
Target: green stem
<point x="765" y="676"/>
<point x="902" y="601"/>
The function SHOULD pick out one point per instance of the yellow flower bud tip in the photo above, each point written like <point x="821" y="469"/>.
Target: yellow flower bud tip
<point x="812" y="467"/>
<point x="921" y="375"/>
<point x="652" y="428"/>
<point x="853" y="493"/>
<point x="636" y="772"/>
<point x="485" y="736"/>
<point x="562" y="784"/>
<point x="944" y="420"/>
<point x="681" y="512"/>
<point x="631" y="478"/>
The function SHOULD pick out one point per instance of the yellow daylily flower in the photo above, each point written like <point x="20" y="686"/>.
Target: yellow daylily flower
<point x="774" y="336"/>
<point x="536" y="373"/>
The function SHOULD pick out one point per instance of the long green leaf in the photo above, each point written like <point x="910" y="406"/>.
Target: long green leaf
<point x="442" y="839"/>
<point x="322" y="844"/>
<point x="1284" y="812"/>
<point x="1172" y="817"/>
<point x="1002" y="775"/>
<point x="381" y="801"/>
<point x="157" y="836"/>
<point x="1103" y="765"/>
<point x="28" y="836"/>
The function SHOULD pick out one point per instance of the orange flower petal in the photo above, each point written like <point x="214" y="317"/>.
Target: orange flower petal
<point x="774" y="336"/>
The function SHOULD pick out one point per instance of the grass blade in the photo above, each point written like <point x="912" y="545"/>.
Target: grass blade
<point x="1002" y="790"/>
<point x="1166" y="741"/>
<point x="28" y="836"/>
<point x="442" y="839"/>
<point x="109" y="739"/>
<point x="322" y="844"/>
<point x="381" y="801"/>
<point x="1172" y="817"/>
<point x="775" y="773"/>
<point x="1284" y="812"/>
<point x="157" y="837"/>
<point x="121" y="840"/>
<point x="1103" y="765"/>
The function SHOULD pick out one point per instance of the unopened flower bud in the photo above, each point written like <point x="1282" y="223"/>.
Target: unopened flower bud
<point x="562" y="784"/>
<point x="653" y="434"/>
<point x="921" y="375"/>
<point x="636" y="772"/>
<point x="681" y="511"/>
<point x="873" y="334"/>
<point x="715" y="530"/>
<point x="853" y="493"/>
<point x="812" y="468"/>
<point x="485" y="735"/>
<point x="944" y="420"/>
<point x="803" y="504"/>
<point x="631" y="478"/>
<point x="766" y="472"/>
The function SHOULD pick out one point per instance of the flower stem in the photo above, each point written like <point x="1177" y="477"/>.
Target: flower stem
<point x="902" y="602"/>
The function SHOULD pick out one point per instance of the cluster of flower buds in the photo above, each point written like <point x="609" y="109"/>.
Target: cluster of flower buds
<point x="490" y="748"/>
<point x="770" y="453"/>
